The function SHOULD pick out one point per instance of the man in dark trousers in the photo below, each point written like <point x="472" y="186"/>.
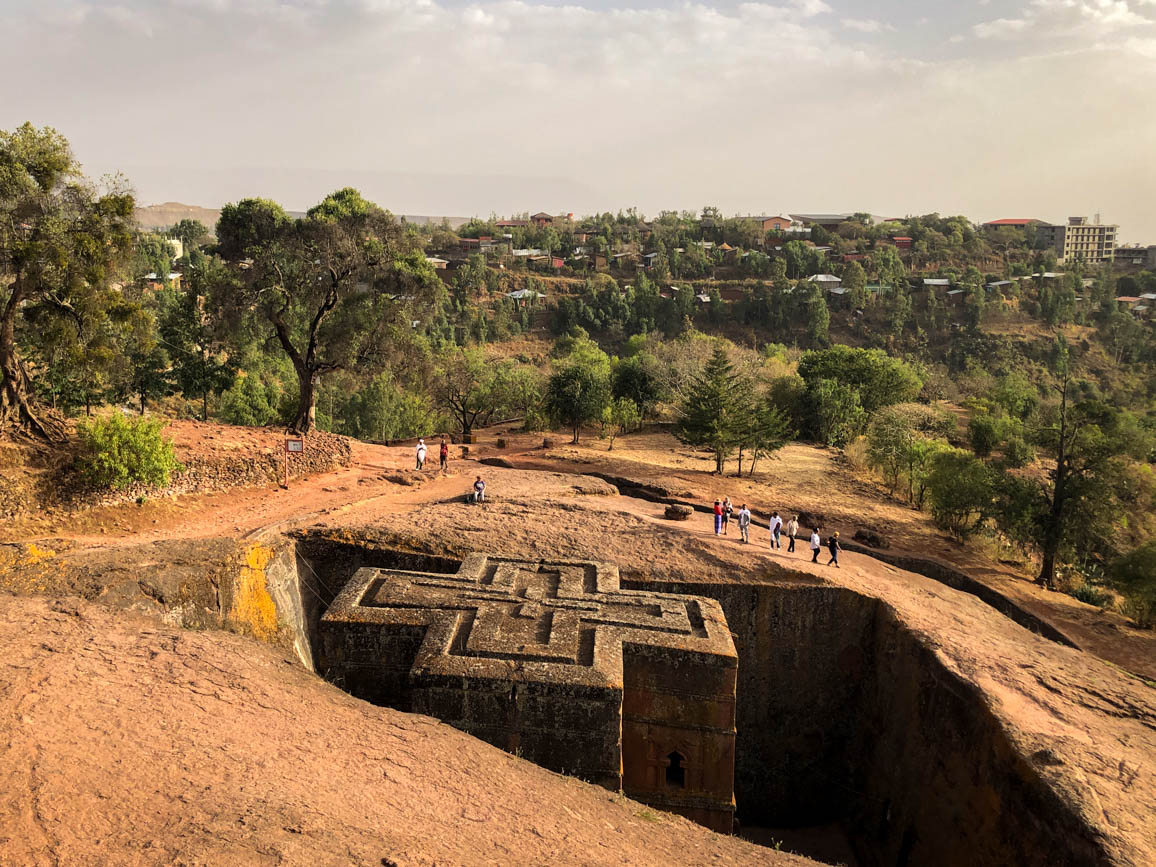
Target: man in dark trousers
<point x="444" y="454"/>
<point x="816" y="545"/>
<point x="833" y="547"/>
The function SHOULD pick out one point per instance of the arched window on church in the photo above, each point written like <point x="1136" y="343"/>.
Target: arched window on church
<point x="675" y="771"/>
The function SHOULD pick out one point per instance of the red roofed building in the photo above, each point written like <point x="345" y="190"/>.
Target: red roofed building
<point x="1014" y="223"/>
<point x="902" y="243"/>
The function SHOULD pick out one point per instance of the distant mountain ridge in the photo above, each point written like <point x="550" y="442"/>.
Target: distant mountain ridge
<point x="162" y="216"/>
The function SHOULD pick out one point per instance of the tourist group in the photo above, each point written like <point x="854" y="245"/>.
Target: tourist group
<point x="724" y="510"/>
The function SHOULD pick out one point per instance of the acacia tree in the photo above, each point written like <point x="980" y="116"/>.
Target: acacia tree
<point x="576" y="394"/>
<point x="324" y="284"/>
<point x="469" y="388"/>
<point x="60" y="242"/>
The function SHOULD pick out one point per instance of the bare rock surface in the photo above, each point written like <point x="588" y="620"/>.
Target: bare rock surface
<point x="127" y="742"/>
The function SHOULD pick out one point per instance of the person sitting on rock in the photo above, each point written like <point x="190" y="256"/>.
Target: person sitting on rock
<point x="479" y="490"/>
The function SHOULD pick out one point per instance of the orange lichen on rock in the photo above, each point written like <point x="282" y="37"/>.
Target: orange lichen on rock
<point x="253" y="607"/>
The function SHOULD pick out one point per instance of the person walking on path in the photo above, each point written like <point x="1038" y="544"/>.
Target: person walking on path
<point x="444" y="454"/>
<point x="833" y="547"/>
<point x="421" y="454"/>
<point x="718" y="513"/>
<point x="479" y="490"/>
<point x="728" y="510"/>
<point x="776" y="530"/>
<point x="816" y="545"/>
<point x="745" y="523"/>
<point x="792" y="532"/>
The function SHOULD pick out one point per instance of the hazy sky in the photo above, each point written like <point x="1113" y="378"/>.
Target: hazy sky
<point x="990" y="108"/>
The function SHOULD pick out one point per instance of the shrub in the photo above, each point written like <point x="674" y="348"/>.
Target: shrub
<point x="1017" y="453"/>
<point x="984" y="435"/>
<point x="1092" y="595"/>
<point x="249" y="402"/>
<point x="835" y="415"/>
<point x="116" y="452"/>
<point x="962" y="492"/>
<point x="1134" y="575"/>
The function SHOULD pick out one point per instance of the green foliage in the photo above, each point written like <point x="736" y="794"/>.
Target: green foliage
<point x="769" y="429"/>
<point x="962" y="492"/>
<point x="834" y="415"/>
<point x="879" y="379"/>
<point x="470" y="388"/>
<point x="984" y="433"/>
<point x="621" y="414"/>
<point x="902" y="442"/>
<point x="251" y="403"/>
<point x="1134" y="575"/>
<point x="117" y="452"/>
<point x="335" y="289"/>
<point x="383" y="411"/>
<point x="61" y="243"/>
<point x="191" y="233"/>
<point x="714" y="414"/>
<point x="577" y="393"/>
<point x="818" y="317"/>
<point x="636" y="378"/>
<point x="789" y="395"/>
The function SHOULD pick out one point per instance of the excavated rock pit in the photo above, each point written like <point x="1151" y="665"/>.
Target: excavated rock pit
<point x="845" y="718"/>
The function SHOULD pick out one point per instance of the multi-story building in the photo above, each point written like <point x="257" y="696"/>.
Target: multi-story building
<point x="1079" y="240"/>
<point x="1141" y="255"/>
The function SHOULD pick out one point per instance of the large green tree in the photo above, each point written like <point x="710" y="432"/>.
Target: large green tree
<point x="193" y="337"/>
<point x="879" y="379"/>
<point x="715" y="413"/>
<point x="577" y="393"/>
<point x="470" y="388"/>
<point x="61" y="241"/>
<point x="331" y="286"/>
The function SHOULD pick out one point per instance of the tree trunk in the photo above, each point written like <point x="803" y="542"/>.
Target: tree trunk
<point x="306" y="417"/>
<point x="1053" y="533"/>
<point x="205" y="403"/>
<point x="577" y="427"/>
<point x="19" y="411"/>
<point x="740" y="472"/>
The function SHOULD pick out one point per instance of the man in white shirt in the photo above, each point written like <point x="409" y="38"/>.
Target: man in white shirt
<point x="776" y="529"/>
<point x="792" y="532"/>
<point x="816" y="545"/>
<point x="745" y="523"/>
<point x="420" y="454"/>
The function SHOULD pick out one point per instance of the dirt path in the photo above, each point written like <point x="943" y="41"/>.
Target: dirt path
<point x="804" y="478"/>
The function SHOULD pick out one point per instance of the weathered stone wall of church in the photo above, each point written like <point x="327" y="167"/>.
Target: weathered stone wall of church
<point x="846" y="716"/>
<point x="803" y="653"/>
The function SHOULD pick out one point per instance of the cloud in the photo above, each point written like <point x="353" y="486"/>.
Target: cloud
<point x="865" y="25"/>
<point x="1089" y="20"/>
<point x="577" y="107"/>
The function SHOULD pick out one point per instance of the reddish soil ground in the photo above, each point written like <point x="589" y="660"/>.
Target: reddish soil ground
<point x="251" y="760"/>
<point x="129" y="743"/>
<point x="800" y="478"/>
